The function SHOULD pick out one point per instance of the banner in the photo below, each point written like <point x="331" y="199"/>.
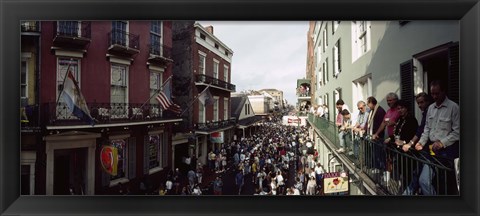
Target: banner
<point x="216" y="137"/>
<point x="109" y="159"/>
<point x="335" y="182"/>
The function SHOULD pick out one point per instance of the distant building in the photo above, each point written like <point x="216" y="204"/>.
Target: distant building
<point x="277" y="95"/>
<point x="246" y="120"/>
<point x="202" y="63"/>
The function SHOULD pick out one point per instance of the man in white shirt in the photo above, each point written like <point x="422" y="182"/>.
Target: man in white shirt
<point x="441" y="133"/>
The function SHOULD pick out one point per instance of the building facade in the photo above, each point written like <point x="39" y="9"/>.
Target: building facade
<point x="358" y="59"/>
<point x="202" y="64"/>
<point x="277" y="95"/>
<point x="118" y="66"/>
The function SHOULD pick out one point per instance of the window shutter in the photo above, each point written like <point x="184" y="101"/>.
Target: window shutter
<point x="406" y="77"/>
<point x="453" y="73"/>
<point x="146" y="154"/>
<point x="339" y="57"/>
<point x="132" y="147"/>
<point x="164" y="144"/>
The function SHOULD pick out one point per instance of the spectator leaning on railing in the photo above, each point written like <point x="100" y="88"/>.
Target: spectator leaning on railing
<point x="375" y="119"/>
<point x="344" y="129"/>
<point x="360" y="126"/>
<point x="441" y="133"/>
<point x="423" y="101"/>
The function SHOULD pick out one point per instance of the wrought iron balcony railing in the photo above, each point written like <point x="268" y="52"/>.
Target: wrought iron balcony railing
<point x="73" y="29"/>
<point x="214" y="125"/>
<point x="202" y="78"/>
<point x="105" y="113"/>
<point x="30" y="26"/>
<point x="124" y="39"/>
<point x="395" y="171"/>
<point x="159" y="49"/>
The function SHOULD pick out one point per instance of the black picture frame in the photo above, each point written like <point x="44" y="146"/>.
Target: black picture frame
<point x="12" y="12"/>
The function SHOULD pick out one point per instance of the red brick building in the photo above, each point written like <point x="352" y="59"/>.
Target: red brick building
<point x="201" y="61"/>
<point x="118" y="65"/>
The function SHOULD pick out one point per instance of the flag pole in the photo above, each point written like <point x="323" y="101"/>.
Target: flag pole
<point x="63" y="84"/>
<point x="160" y="89"/>
<point x="195" y="99"/>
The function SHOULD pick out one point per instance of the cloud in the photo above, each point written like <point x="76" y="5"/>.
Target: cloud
<point x="266" y="54"/>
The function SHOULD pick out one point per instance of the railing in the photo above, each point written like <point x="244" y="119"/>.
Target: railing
<point x="29" y="116"/>
<point x="214" y="125"/>
<point x="303" y="95"/>
<point x="72" y="29"/>
<point x="30" y="26"/>
<point x="390" y="167"/>
<point x="159" y="49"/>
<point x="122" y="38"/>
<point x="105" y="113"/>
<point x="214" y="81"/>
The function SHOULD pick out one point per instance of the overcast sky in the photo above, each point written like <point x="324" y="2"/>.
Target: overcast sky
<point x="265" y="54"/>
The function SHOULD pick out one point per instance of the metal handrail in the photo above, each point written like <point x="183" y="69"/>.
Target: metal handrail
<point x="214" y="81"/>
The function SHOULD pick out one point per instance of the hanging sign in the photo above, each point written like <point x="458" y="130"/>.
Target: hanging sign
<point x="335" y="182"/>
<point x="109" y="159"/>
<point x="216" y="137"/>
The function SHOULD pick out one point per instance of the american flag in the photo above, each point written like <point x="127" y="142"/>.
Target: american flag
<point x="164" y="98"/>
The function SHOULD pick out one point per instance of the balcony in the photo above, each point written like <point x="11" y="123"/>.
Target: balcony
<point x="160" y="54"/>
<point x="123" y="43"/>
<point x="30" y="27"/>
<point x="214" y="125"/>
<point x="105" y="113"/>
<point x="202" y="79"/>
<point x="29" y="118"/>
<point x="71" y="34"/>
<point x="389" y="167"/>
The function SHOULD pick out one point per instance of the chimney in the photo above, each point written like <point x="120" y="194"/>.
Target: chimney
<point x="209" y="29"/>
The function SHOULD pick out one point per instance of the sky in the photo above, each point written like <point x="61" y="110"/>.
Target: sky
<point x="266" y="54"/>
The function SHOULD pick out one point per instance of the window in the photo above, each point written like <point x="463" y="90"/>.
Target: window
<point x="325" y="71"/>
<point x="226" y="53"/>
<point x="155" y="85"/>
<point x="246" y="109"/>
<point x="216" y="46"/>
<point x="201" y="63"/>
<point x="155" y="38"/>
<point x="215" y="69"/>
<point x="68" y="28"/>
<point x="225" y="109"/>
<point x="335" y="25"/>
<point x="225" y="73"/>
<point x="336" y="58"/>
<point x="119" y="91"/>
<point x="215" y="109"/>
<point x="325" y="41"/>
<point x="122" y="151"/>
<point x="360" y="38"/>
<point x="202" y="36"/>
<point x="120" y="33"/>
<point x="23" y="79"/>
<point x="361" y="89"/>
<point x="62" y="65"/>
<point x="201" y="112"/>
<point x="157" y="151"/>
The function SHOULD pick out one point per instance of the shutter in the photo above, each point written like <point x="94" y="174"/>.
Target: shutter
<point x="339" y="57"/>
<point x="164" y="144"/>
<point x="453" y="73"/>
<point x="406" y="80"/>
<point x="146" y="154"/>
<point x="132" y="147"/>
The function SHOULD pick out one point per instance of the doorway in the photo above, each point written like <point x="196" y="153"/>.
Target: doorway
<point x="70" y="171"/>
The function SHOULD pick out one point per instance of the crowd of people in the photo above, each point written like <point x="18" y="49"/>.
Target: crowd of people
<point x="436" y="137"/>
<point x="271" y="160"/>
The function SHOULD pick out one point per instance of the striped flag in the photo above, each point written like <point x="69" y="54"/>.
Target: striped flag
<point x="164" y="98"/>
<point x="74" y="99"/>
